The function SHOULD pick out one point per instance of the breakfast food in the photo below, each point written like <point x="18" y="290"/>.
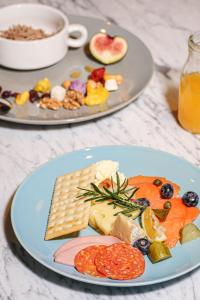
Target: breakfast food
<point x="67" y="213"/>
<point x="71" y="94"/>
<point x="136" y="216"/>
<point x="24" y="33"/>
<point x="107" y="49"/>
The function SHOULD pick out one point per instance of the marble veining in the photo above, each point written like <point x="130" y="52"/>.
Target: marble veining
<point x="151" y="121"/>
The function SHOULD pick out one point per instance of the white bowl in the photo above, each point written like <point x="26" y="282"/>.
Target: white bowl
<point x="35" y="54"/>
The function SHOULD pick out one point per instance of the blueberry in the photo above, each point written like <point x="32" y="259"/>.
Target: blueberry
<point x="157" y="182"/>
<point x="143" y="245"/>
<point x="143" y="202"/>
<point x="190" y="199"/>
<point x="166" y="191"/>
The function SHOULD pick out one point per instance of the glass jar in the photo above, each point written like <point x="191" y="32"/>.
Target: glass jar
<point x="189" y="91"/>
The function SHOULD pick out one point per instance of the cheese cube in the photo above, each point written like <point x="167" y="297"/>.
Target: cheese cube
<point x="111" y="85"/>
<point x="58" y="93"/>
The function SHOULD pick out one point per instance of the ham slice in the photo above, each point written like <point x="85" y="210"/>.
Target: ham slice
<point x="103" y="239"/>
<point x="67" y="252"/>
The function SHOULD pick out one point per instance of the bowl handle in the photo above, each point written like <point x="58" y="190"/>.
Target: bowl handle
<point x="80" y="41"/>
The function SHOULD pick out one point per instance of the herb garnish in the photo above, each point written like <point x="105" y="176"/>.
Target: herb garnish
<point x="120" y="194"/>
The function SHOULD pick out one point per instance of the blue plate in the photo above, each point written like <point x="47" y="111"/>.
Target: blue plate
<point x="31" y="204"/>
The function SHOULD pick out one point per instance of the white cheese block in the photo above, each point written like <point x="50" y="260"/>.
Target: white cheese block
<point x="58" y="93"/>
<point x="111" y="85"/>
<point x="102" y="216"/>
<point x="126" y="229"/>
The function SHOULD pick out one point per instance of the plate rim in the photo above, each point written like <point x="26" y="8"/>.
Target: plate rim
<point x="98" y="114"/>
<point x="88" y="279"/>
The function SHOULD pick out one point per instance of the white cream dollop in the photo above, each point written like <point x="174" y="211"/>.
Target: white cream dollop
<point x="107" y="169"/>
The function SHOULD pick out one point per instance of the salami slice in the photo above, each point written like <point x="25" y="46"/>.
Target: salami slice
<point x="120" y="261"/>
<point x="84" y="260"/>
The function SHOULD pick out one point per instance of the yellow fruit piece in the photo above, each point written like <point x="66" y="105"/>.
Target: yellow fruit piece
<point x="153" y="230"/>
<point x="22" y="98"/>
<point x="43" y="86"/>
<point x="95" y="96"/>
<point x="119" y="78"/>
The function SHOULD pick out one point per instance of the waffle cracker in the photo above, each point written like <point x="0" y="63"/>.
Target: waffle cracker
<point x="68" y="213"/>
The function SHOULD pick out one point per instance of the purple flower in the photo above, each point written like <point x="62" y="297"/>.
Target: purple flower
<point x="78" y="85"/>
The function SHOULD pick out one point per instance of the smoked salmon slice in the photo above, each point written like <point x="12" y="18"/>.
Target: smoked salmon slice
<point x="179" y="214"/>
<point x="150" y="179"/>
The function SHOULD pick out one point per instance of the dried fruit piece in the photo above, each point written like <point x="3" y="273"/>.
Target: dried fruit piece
<point x="75" y="74"/>
<point x="108" y="49"/>
<point x="66" y="84"/>
<point x="119" y="78"/>
<point x="43" y="86"/>
<point x="89" y="69"/>
<point x="5" y="106"/>
<point x="96" y="95"/>
<point x="97" y="74"/>
<point x="22" y="98"/>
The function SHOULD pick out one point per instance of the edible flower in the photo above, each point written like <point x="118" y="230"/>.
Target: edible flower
<point x="78" y="85"/>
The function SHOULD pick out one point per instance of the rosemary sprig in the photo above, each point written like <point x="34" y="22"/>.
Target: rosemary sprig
<point x="120" y="194"/>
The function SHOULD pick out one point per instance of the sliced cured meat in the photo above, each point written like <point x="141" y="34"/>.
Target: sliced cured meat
<point x="120" y="261"/>
<point x="150" y="179"/>
<point x="94" y="239"/>
<point x="67" y="256"/>
<point x="85" y="260"/>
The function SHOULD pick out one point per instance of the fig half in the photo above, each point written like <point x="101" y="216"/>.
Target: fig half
<point x="107" y="49"/>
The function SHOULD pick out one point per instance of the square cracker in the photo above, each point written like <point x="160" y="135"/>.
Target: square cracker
<point x="68" y="213"/>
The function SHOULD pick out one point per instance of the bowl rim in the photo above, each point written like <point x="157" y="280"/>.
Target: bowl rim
<point x="36" y="5"/>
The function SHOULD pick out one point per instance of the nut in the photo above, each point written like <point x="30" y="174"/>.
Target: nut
<point x="73" y="100"/>
<point x="50" y="103"/>
<point x="71" y="104"/>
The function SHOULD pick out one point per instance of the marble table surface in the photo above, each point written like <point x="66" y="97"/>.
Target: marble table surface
<point x="151" y="121"/>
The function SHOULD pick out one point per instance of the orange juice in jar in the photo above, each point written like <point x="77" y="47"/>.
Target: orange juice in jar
<point x="189" y="92"/>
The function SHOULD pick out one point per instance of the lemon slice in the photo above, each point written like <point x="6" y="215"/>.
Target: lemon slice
<point x="152" y="228"/>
